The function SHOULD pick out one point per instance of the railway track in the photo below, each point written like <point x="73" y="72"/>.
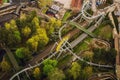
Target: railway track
<point x="6" y="13"/>
<point x="7" y="10"/>
<point x="10" y="12"/>
<point x="50" y="55"/>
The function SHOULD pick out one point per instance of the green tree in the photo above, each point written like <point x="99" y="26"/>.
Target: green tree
<point x="39" y="40"/>
<point x="111" y="56"/>
<point x="56" y="74"/>
<point x="101" y="54"/>
<point x="5" y="66"/>
<point x="49" y="66"/>
<point x="88" y="55"/>
<point x="3" y="35"/>
<point x="23" y="53"/>
<point x="98" y="53"/>
<point x="23" y="16"/>
<point x="52" y="26"/>
<point x="13" y="36"/>
<point x="36" y="73"/>
<point x="58" y="23"/>
<point x="36" y="22"/>
<point x="44" y="3"/>
<point x="13" y="25"/>
<point x="33" y="43"/>
<point x="75" y="70"/>
<point x="106" y="32"/>
<point x="87" y="72"/>
<point x="50" y="62"/>
<point x="47" y="69"/>
<point x="7" y="26"/>
<point x="26" y="31"/>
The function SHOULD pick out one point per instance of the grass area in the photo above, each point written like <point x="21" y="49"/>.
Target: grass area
<point x="82" y="46"/>
<point x="104" y="32"/>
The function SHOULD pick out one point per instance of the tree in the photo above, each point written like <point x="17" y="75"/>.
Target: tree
<point x="106" y="32"/>
<point x="3" y="35"/>
<point x="56" y="75"/>
<point x="33" y="43"/>
<point x="52" y="26"/>
<point x="23" y="16"/>
<point x="58" y="23"/>
<point x="36" y="73"/>
<point x="75" y="70"/>
<point x="36" y="22"/>
<point x="47" y="69"/>
<point x="87" y="72"/>
<point x="88" y="55"/>
<point x="5" y="66"/>
<point x="13" y="36"/>
<point x="7" y="26"/>
<point x="23" y="53"/>
<point x="39" y="40"/>
<point x="97" y="55"/>
<point x="26" y="31"/>
<point x="111" y="56"/>
<point x="13" y="25"/>
<point x="101" y="54"/>
<point x="50" y="62"/>
<point x="49" y="66"/>
<point x="44" y="3"/>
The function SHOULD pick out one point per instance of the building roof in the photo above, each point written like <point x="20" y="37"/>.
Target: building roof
<point x="66" y="3"/>
<point x="76" y="4"/>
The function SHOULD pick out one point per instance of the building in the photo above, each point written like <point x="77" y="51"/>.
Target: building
<point x="56" y="10"/>
<point x="66" y="3"/>
<point x="76" y="5"/>
<point x="0" y="1"/>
